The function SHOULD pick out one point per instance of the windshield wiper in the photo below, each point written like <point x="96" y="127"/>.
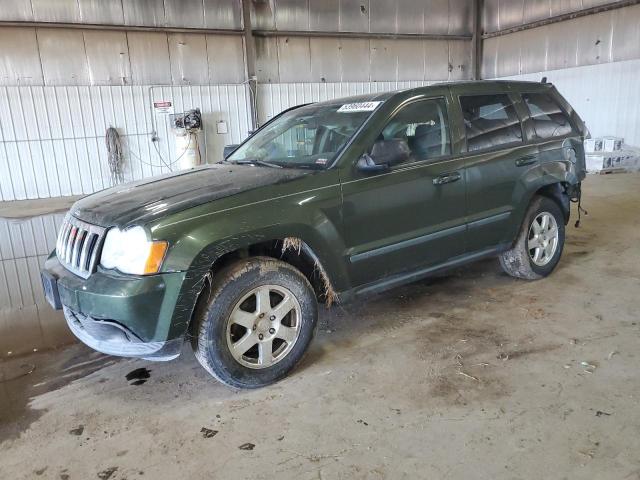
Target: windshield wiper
<point x="255" y="161"/>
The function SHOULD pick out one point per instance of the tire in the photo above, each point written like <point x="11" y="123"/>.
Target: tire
<point x="247" y="301"/>
<point x="520" y="260"/>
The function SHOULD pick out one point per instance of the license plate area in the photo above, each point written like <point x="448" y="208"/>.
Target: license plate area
<point x="50" y="287"/>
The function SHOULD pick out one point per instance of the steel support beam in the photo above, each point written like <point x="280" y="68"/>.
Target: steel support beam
<point x="120" y="28"/>
<point x="562" y="18"/>
<point x="250" y="60"/>
<point x="310" y="33"/>
<point x="476" y="40"/>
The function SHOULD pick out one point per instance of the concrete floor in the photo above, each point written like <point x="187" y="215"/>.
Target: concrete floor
<point x="471" y="375"/>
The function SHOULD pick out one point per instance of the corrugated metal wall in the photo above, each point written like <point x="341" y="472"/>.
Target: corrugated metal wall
<point x="605" y="37"/>
<point x="214" y="14"/>
<point x="26" y="320"/>
<point x="606" y="96"/>
<point x="59" y="56"/>
<point x="297" y="59"/>
<point x="52" y="138"/>
<point x="503" y="14"/>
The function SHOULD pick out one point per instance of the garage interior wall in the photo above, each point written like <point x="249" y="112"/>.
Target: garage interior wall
<point x="594" y="60"/>
<point x="71" y="68"/>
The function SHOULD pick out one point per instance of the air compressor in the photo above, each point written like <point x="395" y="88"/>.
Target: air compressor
<point x="185" y="127"/>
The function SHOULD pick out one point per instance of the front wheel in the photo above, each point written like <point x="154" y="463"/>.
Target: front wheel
<point x="539" y="244"/>
<point x="257" y="323"/>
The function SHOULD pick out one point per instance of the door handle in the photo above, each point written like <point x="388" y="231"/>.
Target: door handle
<point x="526" y="160"/>
<point x="447" y="178"/>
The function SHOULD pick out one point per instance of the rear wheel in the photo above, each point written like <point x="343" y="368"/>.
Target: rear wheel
<point x="539" y="244"/>
<point x="257" y="323"/>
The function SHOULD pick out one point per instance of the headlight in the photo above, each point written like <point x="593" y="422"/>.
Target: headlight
<point x="130" y="251"/>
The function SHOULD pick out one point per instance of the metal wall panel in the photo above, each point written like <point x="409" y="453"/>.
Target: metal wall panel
<point x="20" y="60"/>
<point x="354" y="16"/>
<point x="411" y="59"/>
<point x="501" y="14"/>
<point x="511" y="13"/>
<point x="460" y="17"/>
<point x="220" y="14"/>
<point x="625" y="29"/>
<point x="263" y="15"/>
<point x="325" y="60"/>
<point x="436" y="60"/>
<point x="267" y="60"/>
<point x="294" y="62"/>
<point x="459" y="60"/>
<point x="225" y="59"/>
<point x="436" y="17"/>
<point x="188" y="57"/>
<point x="143" y="12"/>
<point x="52" y="138"/>
<point x="538" y="9"/>
<point x="605" y="95"/>
<point x="355" y="65"/>
<point x="149" y="56"/>
<point x="324" y="15"/>
<point x="594" y="39"/>
<point x="56" y="11"/>
<point x="101" y="11"/>
<point x="382" y="16"/>
<point x="108" y="57"/>
<point x="184" y="13"/>
<point x="603" y="37"/>
<point x="384" y="61"/>
<point x="292" y="15"/>
<point x="410" y="16"/>
<point x="64" y="61"/>
<point x="16" y="10"/>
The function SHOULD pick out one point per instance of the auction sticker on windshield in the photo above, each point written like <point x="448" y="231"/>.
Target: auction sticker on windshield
<point x="359" y="107"/>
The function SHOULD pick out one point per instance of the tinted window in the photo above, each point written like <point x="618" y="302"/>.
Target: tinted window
<point x="490" y="121"/>
<point x="424" y="126"/>
<point x="547" y="117"/>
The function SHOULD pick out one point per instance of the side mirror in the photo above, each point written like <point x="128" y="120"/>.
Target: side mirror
<point x="366" y="164"/>
<point x="228" y="150"/>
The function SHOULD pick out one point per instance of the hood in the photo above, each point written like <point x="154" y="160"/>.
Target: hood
<point x="142" y="201"/>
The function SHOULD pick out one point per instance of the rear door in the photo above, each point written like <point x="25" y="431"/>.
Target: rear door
<point x="496" y="159"/>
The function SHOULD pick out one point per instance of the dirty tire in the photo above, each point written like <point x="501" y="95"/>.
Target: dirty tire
<point x="516" y="261"/>
<point x="229" y="286"/>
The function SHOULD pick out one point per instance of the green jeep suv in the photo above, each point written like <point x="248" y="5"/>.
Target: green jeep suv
<point x="326" y="202"/>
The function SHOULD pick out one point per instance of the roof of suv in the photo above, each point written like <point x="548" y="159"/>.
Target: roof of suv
<point x="382" y="96"/>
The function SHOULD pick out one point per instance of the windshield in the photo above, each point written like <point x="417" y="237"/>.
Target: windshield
<point x="307" y="137"/>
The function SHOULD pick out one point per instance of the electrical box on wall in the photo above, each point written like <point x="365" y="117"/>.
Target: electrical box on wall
<point x="221" y="127"/>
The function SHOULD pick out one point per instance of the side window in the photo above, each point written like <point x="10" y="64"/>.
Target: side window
<point x="547" y="117"/>
<point x="490" y="121"/>
<point x="424" y="126"/>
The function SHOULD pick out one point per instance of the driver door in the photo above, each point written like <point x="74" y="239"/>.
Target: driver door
<point x="411" y="216"/>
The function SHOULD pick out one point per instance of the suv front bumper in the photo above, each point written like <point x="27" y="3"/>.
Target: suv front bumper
<point x="123" y="315"/>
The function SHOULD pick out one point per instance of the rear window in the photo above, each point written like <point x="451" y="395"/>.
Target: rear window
<point x="547" y="117"/>
<point x="490" y="121"/>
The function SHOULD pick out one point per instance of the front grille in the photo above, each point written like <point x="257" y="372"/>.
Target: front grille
<point x="78" y="246"/>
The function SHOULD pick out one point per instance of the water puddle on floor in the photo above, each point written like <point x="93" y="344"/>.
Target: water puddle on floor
<point x="25" y="377"/>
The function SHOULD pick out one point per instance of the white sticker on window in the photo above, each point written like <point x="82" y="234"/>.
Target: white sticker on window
<point x="359" y="107"/>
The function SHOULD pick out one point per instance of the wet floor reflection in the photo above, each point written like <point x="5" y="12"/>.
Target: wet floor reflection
<point x="27" y="322"/>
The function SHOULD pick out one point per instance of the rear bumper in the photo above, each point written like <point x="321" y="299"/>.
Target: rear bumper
<point x="112" y="338"/>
